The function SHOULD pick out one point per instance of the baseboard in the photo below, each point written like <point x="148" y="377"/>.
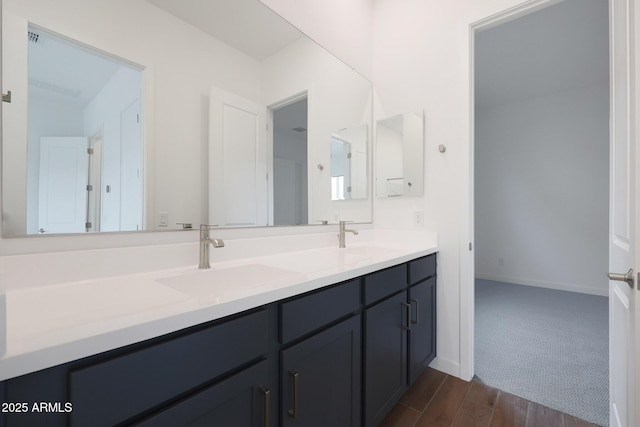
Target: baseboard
<point x="542" y="284"/>
<point x="447" y="366"/>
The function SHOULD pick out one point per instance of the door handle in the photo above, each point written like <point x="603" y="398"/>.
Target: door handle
<point x="293" y="412"/>
<point x="408" y="307"/>
<point x="267" y="406"/>
<point x="628" y="277"/>
<point x="417" y="311"/>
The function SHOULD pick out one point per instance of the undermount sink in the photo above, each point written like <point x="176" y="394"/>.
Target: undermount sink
<point x="221" y="283"/>
<point x="367" y="251"/>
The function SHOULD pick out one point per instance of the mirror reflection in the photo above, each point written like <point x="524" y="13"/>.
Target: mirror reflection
<point x="183" y="53"/>
<point x="84" y="148"/>
<point x="349" y="163"/>
<point x="399" y="154"/>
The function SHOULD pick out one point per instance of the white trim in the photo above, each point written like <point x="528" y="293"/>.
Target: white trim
<point x="445" y="365"/>
<point x="543" y="284"/>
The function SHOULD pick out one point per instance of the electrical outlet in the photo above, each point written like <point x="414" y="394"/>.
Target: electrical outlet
<point x="164" y="219"/>
<point x="418" y="218"/>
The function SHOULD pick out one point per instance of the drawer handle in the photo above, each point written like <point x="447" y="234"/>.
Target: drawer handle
<point x="408" y="307"/>
<point x="293" y="413"/>
<point x="267" y="406"/>
<point x="417" y="311"/>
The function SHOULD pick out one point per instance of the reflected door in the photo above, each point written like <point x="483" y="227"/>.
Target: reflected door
<point x="238" y="185"/>
<point x="63" y="177"/>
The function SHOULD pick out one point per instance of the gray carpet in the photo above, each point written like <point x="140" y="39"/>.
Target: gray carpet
<point x="547" y="346"/>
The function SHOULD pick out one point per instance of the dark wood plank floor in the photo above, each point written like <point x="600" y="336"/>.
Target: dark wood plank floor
<point x="438" y="399"/>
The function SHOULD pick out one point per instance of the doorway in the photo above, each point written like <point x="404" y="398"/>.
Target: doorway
<point x="290" y="176"/>
<point x="541" y="174"/>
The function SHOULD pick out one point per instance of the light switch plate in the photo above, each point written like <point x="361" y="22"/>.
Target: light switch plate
<point x="164" y="219"/>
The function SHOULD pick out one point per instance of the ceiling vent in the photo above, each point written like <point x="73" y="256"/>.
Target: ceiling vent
<point x="33" y="37"/>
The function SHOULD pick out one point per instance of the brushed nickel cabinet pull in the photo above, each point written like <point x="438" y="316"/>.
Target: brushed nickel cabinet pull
<point x="417" y="311"/>
<point x="408" y="306"/>
<point x="267" y="406"/>
<point x="293" y="412"/>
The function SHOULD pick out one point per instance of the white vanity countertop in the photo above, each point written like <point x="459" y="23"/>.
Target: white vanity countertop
<point x="48" y="324"/>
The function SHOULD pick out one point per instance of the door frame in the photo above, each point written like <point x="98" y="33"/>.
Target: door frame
<point x="467" y="255"/>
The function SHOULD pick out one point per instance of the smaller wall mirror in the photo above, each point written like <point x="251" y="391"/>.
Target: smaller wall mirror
<point x="400" y="155"/>
<point x="349" y="163"/>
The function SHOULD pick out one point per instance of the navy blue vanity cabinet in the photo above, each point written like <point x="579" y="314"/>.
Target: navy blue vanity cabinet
<point x="422" y="330"/>
<point x="385" y="348"/>
<point x="210" y="369"/>
<point x="341" y="355"/>
<point x="320" y="375"/>
<point x="148" y="379"/>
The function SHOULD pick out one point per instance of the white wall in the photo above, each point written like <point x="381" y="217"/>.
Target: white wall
<point x="420" y="62"/>
<point x="542" y="191"/>
<point x="342" y="27"/>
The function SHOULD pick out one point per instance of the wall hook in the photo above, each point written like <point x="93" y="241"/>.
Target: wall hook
<point x="320" y="167"/>
<point x="6" y="97"/>
<point x="442" y="148"/>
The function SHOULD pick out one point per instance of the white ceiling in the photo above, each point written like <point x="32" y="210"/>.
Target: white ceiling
<point x="60" y="71"/>
<point x="246" y="25"/>
<point x="560" y="47"/>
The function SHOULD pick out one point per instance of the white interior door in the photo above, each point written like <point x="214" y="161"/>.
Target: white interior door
<point x="238" y="186"/>
<point x="63" y="184"/>
<point x="622" y="296"/>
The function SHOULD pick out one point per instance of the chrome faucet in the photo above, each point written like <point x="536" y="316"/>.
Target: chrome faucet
<point x="341" y="231"/>
<point x="205" y="241"/>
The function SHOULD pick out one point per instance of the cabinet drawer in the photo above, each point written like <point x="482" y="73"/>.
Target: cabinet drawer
<point x="113" y="391"/>
<point x="242" y="400"/>
<point x="384" y="283"/>
<point x="308" y="313"/>
<point x="422" y="268"/>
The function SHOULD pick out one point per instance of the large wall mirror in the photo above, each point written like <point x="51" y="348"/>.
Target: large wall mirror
<point x="142" y="115"/>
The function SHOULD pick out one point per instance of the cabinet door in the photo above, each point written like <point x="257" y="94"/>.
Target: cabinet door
<point x="422" y="335"/>
<point x="242" y="400"/>
<point x="385" y="356"/>
<point x="321" y="378"/>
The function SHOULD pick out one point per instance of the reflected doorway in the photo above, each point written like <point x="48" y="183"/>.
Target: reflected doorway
<point x="290" y="171"/>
